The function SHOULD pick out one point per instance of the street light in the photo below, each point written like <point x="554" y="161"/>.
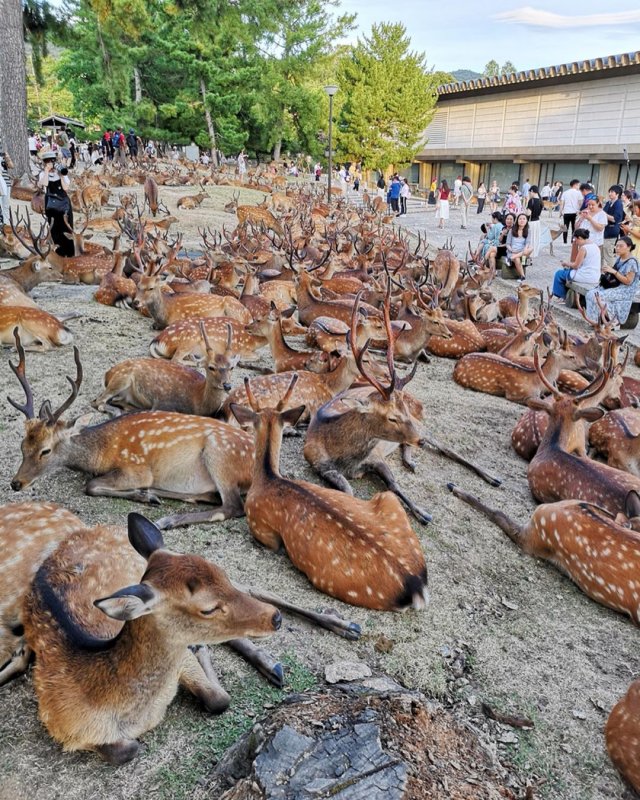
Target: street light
<point x="330" y="90"/>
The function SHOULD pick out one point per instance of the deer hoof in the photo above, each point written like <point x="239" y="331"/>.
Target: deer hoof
<point x="422" y="516"/>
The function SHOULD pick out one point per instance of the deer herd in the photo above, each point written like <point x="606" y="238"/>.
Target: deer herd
<point x="116" y="608"/>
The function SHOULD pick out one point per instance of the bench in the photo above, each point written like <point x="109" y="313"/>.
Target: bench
<point x="577" y="291"/>
<point x="507" y="271"/>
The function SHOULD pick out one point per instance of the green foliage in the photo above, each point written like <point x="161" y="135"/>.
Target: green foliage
<point x="388" y="99"/>
<point x="494" y="70"/>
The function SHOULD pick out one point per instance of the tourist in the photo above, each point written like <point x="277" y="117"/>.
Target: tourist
<point x="357" y="177"/>
<point x="534" y="210"/>
<point x="627" y="204"/>
<point x="632" y="228"/>
<point x="4" y="197"/>
<point x="545" y="192"/>
<point x="526" y="188"/>
<point x="482" y="196"/>
<point x="150" y="149"/>
<point x="466" y="193"/>
<point x="132" y="144"/>
<point x="617" y="284"/>
<point x="432" y="191"/>
<point x="33" y="145"/>
<point x="405" y="193"/>
<point x="57" y="205"/>
<point x="584" y="269"/>
<point x="570" y="206"/>
<point x="393" y="196"/>
<point x="205" y="160"/>
<point x="615" y="214"/>
<point x="380" y="186"/>
<point x="317" y="172"/>
<point x="519" y="244"/>
<point x="508" y="223"/>
<point x="494" y="196"/>
<point x="512" y="204"/>
<point x="594" y="220"/>
<point x="442" y="203"/>
<point x="588" y="193"/>
<point x="457" y="190"/>
<point x="491" y="241"/>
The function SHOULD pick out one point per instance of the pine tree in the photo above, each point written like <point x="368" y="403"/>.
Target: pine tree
<point x="388" y="99"/>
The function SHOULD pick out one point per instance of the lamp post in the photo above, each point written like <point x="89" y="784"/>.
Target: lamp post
<point x="330" y="90"/>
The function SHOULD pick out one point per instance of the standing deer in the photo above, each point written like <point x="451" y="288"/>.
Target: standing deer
<point x="599" y="553"/>
<point x="363" y="552"/>
<point x="140" y="457"/>
<point x="146" y="383"/>
<point x="101" y="684"/>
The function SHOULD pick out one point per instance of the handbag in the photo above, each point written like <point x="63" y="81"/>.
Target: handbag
<point x="56" y="204"/>
<point x="608" y="281"/>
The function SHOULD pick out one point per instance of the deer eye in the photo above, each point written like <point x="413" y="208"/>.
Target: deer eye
<point x="45" y="452"/>
<point x="392" y="419"/>
<point x="208" y="612"/>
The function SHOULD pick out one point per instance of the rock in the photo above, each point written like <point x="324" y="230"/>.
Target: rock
<point x="346" y="671"/>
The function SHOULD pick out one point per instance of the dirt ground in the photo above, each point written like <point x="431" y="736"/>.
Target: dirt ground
<point x="502" y="628"/>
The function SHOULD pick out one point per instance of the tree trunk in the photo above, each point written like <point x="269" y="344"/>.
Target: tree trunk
<point x="210" y="128"/>
<point x="13" y="88"/>
<point x="137" y="83"/>
<point x="277" y="149"/>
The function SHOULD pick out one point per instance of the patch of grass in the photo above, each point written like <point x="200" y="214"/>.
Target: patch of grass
<point x="209" y="737"/>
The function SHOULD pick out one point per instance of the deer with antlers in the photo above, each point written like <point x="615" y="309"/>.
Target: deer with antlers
<point x="183" y="342"/>
<point x="259" y="217"/>
<point x="17" y="282"/>
<point x="141" y="457"/>
<point x="111" y="618"/>
<point x="363" y="552"/>
<point x="146" y="383"/>
<point x="192" y="201"/>
<point x="594" y="548"/>
<point x="286" y="358"/>
<point x="616" y="437"/>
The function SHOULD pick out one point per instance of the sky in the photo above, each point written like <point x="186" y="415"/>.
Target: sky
<point x="466" y="34"/>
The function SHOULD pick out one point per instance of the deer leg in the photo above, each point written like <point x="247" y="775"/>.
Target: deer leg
<point x="492" y="480"/>
<point x="130" y="485"/>
<point x="231" y="506"/>
<point x="199" y="677"/>
<point x="331" y="622"/>
<point x="255" y="367"/>
<point x="407" y="458"/>
<point x="260" y="659"/>
<point x="334" y="477"/>
<point x="381" y="468"/>
<point x="16" y="664"/>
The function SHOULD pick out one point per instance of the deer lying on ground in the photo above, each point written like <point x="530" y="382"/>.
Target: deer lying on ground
<point x="33" y="530"/>
<point x="167" y="603"/>
<point x="592" y="547"/>
<point x="115" y="289"/>
<point x="555" y="473"/>
<point x="362" y="552"/>
<point x="193" y="200"/>
<point x="182" y="341"/>
<point x="622" y="734"/>
<point x="616" y="437"/>
<point x="285" y="358"/>
<point x="140" y="457"/>
<point x="39" y="330"/>
<point x="146" y="383"/>
<point x="493" y="374"/>
<point x="423" y="321"/>
<point x="310" y="307"/>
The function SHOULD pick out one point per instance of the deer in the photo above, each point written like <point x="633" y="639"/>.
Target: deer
<point x="146" y="383"/>
<point x="141" y="457"/>
<point x="120" y="611"/>
<point x="151" y="194"/>
<point x="33" y="530"/>
<point x="183" y="342"/>
<point x="192" y="201"/>
<point x="310" y="307"/>
<point x="493" y="374"/>
<point x="115" y="289"/>
<point x="616" y="437"/>
<point x="259" y="216"/>
<point x="594" y="548"/>
<point x="622" y="733"/>
<point x="555" y="473"/>
<point x="464" y="338"/>
<point x="232" y="205"/>
<point x="424" y="322"/>
<point x="286" y="358"/>
<point x="39" y="330"/>
<point x="330" y="334"/>
<point x="362" y="552"/>
<point x="445" y="269"/>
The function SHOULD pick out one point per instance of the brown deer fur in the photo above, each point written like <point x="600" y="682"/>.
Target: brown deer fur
<point x="622" y="734"/>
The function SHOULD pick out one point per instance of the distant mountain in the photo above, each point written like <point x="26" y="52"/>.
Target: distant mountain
<point x="466" y="75"/>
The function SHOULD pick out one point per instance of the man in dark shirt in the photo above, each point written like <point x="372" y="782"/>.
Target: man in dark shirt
<point x="615" y="214"/>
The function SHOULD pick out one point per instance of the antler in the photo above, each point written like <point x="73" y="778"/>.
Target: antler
<point x="75" y="388"/>
<point x="283" y="402"/>
<point x="250" y="396"/>
<point x="19" y="372"/>
<point x="536" y="363"/>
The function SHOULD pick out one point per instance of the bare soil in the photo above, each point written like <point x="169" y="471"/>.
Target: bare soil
<point x="502" y="628"/>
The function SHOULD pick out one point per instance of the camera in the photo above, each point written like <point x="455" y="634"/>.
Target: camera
<point x="62" y="170"/>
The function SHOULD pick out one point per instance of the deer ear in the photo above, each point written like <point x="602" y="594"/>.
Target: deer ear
<point x="80" y="423"/>
<point x="292" y="415"/>
<point x="540" y="405"/>
<point x="546" y="339"/>
<point x="244" y="415"/>
<point x="288" y="312"/>
<point x="590" y="414"/>
<point x="129" y="603"/>
<point x="145" y="538"/>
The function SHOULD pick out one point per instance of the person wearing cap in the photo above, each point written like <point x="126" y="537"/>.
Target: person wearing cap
<point x="132" y="143"/>
<point x="617" y="284"/>
<point x="57" y="205"/>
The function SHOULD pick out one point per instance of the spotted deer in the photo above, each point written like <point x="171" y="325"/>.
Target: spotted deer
<point x="259" y="216"/>
<point x="182" y="341"/>
<point x="286" y="358"/>
<point x="616" y="437"/>
<point x="38" y="330"/>
<point x="363" y="552"/>
<point x="622" y="734"/>
<point x="32" y="530"/>
<point x="424" y="321"/>
<point x="141" y="457"/>
<point x="111" y="619"/>
<point x="556" y="473"/>
<point x="146" y="383"/>
<point x="311" y="307"/>
<point x="594" y="548"/>
<point x="115" y="289"/>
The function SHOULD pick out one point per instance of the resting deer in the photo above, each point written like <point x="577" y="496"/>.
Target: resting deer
<point x="622" y="734"/>
<point x="193" y="200"/>
<point x="146" y="383"/>
<point x="101" y="684"/>
<point x="32" y="530"/>
<point x="39" y="330"/>
<point x="182" y="341"/>
<point x="140" y="457"/>
<point x="616" y="437"/>
<point x="285" y="357"/>
<point x="589" y="545"/>
<point x="115" y="289"/>
<point x="363" y="552"/>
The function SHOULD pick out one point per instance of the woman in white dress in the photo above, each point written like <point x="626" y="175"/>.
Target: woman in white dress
<point x="442" y="203"/>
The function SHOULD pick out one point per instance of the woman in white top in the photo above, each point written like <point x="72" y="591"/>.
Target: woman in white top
<point x="405" y="192"/>
<point x="57" y="205"/>
<point x="594" y="220"/>
<point x="585" y="269"/>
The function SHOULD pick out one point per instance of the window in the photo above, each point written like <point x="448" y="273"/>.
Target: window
<point x="504" y="172"/>
<point x="566" y="171"/>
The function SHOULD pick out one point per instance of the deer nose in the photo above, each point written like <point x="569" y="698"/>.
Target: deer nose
<point x="226" y="387"/>
<point x="16" y="485"/>
<point x="276" y="621"/>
